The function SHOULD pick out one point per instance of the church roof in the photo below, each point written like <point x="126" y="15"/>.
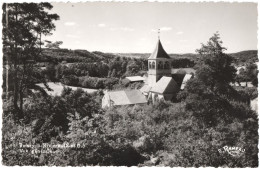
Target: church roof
<point x="159" y="52"/>
<point x="166" y="85"/>
<point x="124" y="97"/>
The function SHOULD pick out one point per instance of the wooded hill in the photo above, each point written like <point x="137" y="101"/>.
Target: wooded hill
<point x="70" y="56"/>
<point x="239" y="57"/>
<point x="245" y="56"/>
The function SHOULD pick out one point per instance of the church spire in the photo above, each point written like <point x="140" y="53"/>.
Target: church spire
<point x="159" y="52"/>
<point x="159" y="34"/>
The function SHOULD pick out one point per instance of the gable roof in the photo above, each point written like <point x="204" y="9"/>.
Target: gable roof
<point x="159" y="52"/>
<point x="146" y="88"/>
<point x="125" y="97"/>
<point x="135" y="78"/>
<point x="166" y="85"/>
<point x="242" y="84"/>
<point x="135" y="96"/>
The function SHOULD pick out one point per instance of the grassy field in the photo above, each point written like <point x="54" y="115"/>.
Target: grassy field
<point x="58" y="87"/>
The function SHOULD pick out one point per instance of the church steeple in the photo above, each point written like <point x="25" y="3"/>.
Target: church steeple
<point x="159" y="34"/>
<point x="158" y="63"/>
<point x="159" y="52"/>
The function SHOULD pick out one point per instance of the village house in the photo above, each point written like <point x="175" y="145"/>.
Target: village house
<point x="123" y="97"/>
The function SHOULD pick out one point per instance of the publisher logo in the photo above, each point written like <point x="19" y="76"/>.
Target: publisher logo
<point x="233" y="151"/>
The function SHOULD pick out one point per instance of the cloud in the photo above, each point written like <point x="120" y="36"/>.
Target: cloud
<point x="69" y="23"/>
<point x="101" y="25"/>
<point x="127" y="29"/>
<point x="183" y="40"/>
<point x="162" y="29"/>
<point x="72" y="36"/>
<point x="179" y="33"/>
<point x="165" y="29"/>
<point x="188" y="40"/>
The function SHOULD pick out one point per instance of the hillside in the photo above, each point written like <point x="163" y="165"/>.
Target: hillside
<point x="245" y="56"/>
<point x="146" y="55"/>
<point x="70" y="56"/>
<point x="240" y="57"/>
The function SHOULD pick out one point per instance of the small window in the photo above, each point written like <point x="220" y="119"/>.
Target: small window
<point x="153" y="65"/>
<point x="160" y="65"/>
<point x="166" y="65"/>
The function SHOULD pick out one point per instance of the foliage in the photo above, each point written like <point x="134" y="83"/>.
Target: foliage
<point x="182" y="63"/>
<point x="24" y="24"/>
<point x="244" y="57"/>
<point x="248" y="74"/>
<point x="210" y="114"/>
<point x="53" y="45"/>
<point x="164" y="134"/>
<point x="208" y="95"/>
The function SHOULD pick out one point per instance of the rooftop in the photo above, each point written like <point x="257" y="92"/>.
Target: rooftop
<point x="135" y="78"/>
<point x="145" y="89"/>
<point x="159" y="52"/>
<point x="125" y="97"/>
<point x="165" y="85"/>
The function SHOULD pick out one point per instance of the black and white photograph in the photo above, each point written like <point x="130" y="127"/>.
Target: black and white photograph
<point x="143" y="84"/>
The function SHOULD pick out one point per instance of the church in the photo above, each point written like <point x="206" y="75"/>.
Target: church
<point x="160" y="83"/>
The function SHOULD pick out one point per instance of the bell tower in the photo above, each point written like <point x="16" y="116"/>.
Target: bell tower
<point x="159" y="64"/>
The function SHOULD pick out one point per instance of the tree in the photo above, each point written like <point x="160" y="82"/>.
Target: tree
<point x="218" y="117"/>
<point x="53" y="45"/>
<point x="24" y="24"/>
<point x="215" y="68"/>
<point x="251" y="72"/>
<point x="50" y="72"/>
<point x="248" y="74"/>
<point x="113" y="74"/>
<point x="241" y="77"/>
<point x="208" y="95"/>
<point x="132" y="68"/>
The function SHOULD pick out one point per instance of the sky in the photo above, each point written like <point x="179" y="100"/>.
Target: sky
<point x="126" y="27"/>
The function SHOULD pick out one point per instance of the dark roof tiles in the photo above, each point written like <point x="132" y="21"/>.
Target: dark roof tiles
<point x="159" y="52"/>
<point x="166" y="85"/>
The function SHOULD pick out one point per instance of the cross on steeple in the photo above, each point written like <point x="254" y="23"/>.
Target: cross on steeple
<point x="158" y="33"/>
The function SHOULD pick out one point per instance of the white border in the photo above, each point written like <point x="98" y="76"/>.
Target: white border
<point x="75" y="1"/>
